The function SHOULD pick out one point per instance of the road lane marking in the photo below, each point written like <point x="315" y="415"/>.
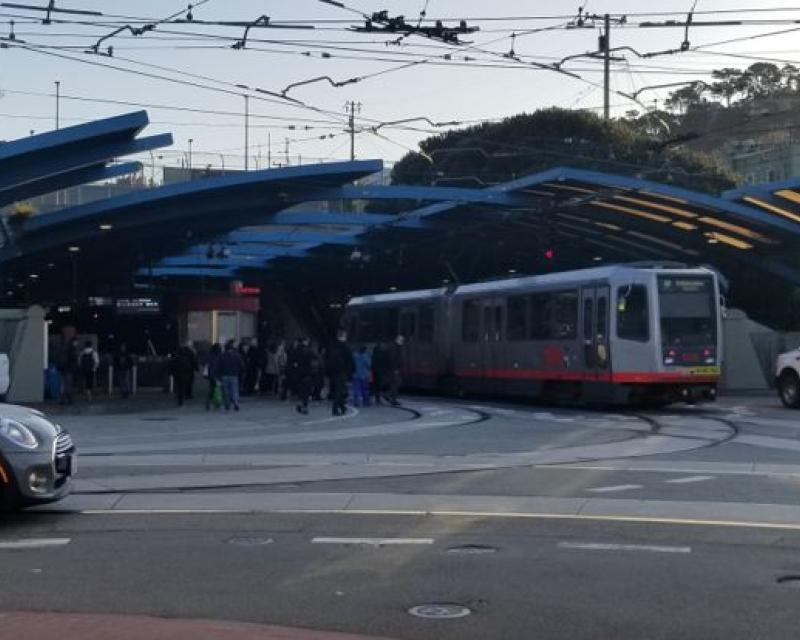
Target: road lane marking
<point x="441" y="513"/>
<point x="33" y="543"/>
<point x="373" y="542"/>
<point x="617" y="487"/>
<point x="689" y="480"/>
<point x="602" y="546"/>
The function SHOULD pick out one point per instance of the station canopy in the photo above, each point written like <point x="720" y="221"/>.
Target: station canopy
<point x="327" y="224"/>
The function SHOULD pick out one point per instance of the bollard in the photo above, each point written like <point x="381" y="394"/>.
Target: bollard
<point x="135" y="379"/>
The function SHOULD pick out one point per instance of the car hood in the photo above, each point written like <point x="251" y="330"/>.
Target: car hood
<point x="31" y="418"/>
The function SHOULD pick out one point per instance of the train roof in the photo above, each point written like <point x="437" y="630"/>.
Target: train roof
<point x="509" y="284"/>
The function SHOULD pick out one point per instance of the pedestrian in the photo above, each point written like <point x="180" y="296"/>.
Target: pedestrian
<point x="183" y="367"/>
<point x="361" y="376"/>
<point x="231" y="369"/>
<point x="380" y="370"/>
<point x="252" y="361"/>
<point x="70" y="371"/>
<point x="89" y="362"/>
<point x="281" y="359"/>
<point x="304" y="374"/>
<point x="318" y="369"/>
<point x="292" y="368"/>
<point x="395" y="369"/>
<point x="269" y="374"/>
<point x="339" y="366"/>
<point x="123" y="366"/>
<point x="212" y="373"/>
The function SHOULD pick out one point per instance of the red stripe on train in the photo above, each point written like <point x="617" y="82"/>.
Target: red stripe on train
<point x="644" y="377"/>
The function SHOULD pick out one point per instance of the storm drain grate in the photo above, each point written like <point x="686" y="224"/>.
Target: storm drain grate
<point x="440" y="611"/>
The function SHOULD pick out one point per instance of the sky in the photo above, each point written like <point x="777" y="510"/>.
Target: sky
<point x="185" y="62"/>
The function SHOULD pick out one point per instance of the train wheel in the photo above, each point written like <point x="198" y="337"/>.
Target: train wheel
<point x="789" y="389"/>
<point x="450" y="386"/>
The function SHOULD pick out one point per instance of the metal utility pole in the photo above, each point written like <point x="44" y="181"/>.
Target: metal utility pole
<point x="288" y="161"/>
<point x="246" y="132"/>
<point x="191" y="140"/>
<point x="58" y="104"/>
<point x="605" y="46"/>
<point x="351" y="108"/>
<point x="269" y="150"/>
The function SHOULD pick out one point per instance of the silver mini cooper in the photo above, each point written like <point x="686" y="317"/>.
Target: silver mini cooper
<point x="37" y="458"/>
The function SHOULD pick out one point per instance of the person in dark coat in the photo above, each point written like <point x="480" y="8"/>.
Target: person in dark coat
<point x="339" y="366"/>
<point x="123" y="367"/>
<point x="213" y="372"/>
<point x="395" y="369"/>
<point x="70" y="371"/>
<point x="292" y="368"/>
<point x="183" y="367"/>
<point x="304" y="371"/>
<point x="380" y="370"/>
<point x="231" y="369"/>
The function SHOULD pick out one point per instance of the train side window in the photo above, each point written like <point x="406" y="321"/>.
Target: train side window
<point x="554" y="315"/>
<point x="633" y="320"/>
<point x="540" y="316"/>
<point x="426" y="323"/>
<point x="470" y="321"/>
<point x="565" y="315"/>
<point x="602" y="319"/>
<point x="517" y="318"/>
<point x="588" y="305"/>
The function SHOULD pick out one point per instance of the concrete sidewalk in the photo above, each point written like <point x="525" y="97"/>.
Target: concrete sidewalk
<point x="80" y="626"/>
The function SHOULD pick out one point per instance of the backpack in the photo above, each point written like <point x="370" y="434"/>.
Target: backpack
<point x="87" y="361"/>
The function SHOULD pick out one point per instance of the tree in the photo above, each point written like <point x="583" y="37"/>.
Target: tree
<point x="529" y="143"/>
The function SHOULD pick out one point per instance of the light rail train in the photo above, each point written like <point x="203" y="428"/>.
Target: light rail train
<point x="646" y="334"/>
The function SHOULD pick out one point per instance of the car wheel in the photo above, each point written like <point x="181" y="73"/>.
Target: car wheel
<point x="789" y="389"/>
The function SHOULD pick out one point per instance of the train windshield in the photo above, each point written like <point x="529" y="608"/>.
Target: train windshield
<point x="688" y="311"/>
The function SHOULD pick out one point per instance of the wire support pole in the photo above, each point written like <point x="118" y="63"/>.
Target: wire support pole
<point x="606" y="47"/>
<point x="246" y="132"/>
<point x="352" y="107"/>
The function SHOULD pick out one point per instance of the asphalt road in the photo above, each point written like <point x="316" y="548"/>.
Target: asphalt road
<point x="541" y="522"/>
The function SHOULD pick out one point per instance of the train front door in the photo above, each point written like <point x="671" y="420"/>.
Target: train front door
<point x="594" y="336"/>
<point x="493" y="343"/>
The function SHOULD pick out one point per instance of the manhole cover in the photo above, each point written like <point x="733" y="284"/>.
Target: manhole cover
<point x="472" y="549"/>
<point x="790" y="581"/>
<point x="440" y="611"/>
<point x="158" y="419"/>
<point x="249" y="541"/>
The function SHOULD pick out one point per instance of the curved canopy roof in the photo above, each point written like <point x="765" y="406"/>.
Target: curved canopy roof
<point x="275" y="224"/>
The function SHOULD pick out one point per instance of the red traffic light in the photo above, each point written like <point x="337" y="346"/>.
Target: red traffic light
<point x="549" y="254"/>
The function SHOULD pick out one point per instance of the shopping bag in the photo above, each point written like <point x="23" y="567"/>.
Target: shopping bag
<point x="217" y="398"/>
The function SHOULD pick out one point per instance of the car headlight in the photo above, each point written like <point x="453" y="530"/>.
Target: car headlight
<point x="18" y="433"/>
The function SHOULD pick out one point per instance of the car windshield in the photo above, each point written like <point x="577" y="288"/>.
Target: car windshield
<point x="688" y="311"/>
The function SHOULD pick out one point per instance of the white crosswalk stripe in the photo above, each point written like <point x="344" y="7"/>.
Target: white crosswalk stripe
<point x="33" y="543"/>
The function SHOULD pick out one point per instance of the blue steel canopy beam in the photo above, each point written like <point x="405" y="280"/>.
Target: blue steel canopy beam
<point x="321" y="217"/>
<point x="432" y="194"/>
<point x="128" y="125"/>
<point x="40" y="168"/>
<point x="66" y="180"/>
<point x="253" y="237"/>
<point x="190" y="272"/>
<point x="269" y="184"/>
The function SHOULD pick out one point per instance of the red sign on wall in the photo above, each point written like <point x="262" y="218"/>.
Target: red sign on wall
<point x="239" y="289"/>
